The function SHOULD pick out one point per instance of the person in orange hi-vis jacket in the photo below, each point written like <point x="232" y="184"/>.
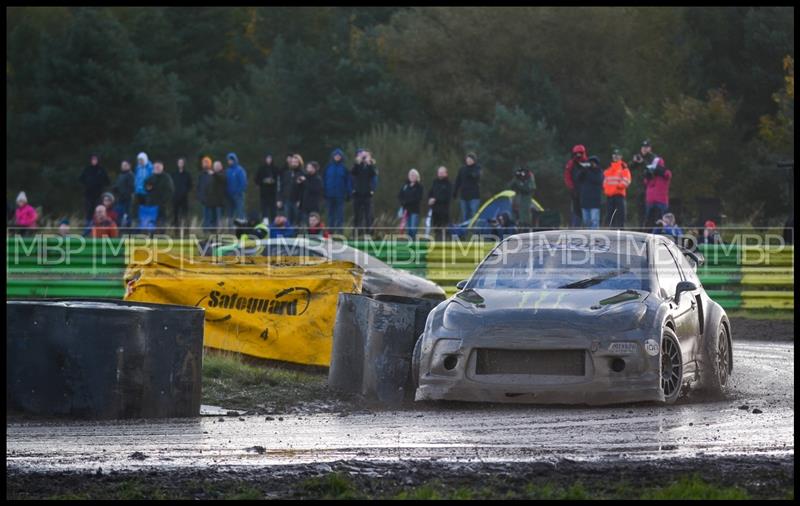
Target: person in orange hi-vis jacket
<point x="616" y="179"/>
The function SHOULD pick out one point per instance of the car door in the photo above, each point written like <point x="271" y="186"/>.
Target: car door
<point x="684" y="310"/>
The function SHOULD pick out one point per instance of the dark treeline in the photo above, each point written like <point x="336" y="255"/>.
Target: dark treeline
<point x="712" y="88"/>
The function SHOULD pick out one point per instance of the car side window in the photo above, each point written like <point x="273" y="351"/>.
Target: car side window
<point x="666" y="269"/>
<point x="687" y="266"/>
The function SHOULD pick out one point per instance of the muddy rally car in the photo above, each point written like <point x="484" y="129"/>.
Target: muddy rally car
<point x="587" y="317"/>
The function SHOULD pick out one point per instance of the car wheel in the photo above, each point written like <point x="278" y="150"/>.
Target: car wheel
<point x="717" y="362"/>
<point x="415" y="359"/>
<point x="671" y="366"/>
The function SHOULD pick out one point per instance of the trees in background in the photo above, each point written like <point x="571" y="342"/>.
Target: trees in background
<point x="418" y="86"/>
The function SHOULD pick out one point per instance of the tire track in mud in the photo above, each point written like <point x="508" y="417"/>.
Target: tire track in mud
<point x="449" y="432"/>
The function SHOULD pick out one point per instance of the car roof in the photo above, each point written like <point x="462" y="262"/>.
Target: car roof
<point x="345" y="252"/>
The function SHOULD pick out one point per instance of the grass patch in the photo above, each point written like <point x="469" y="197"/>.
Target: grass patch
<point x="762" y="314"/>
<point x="436" y="490"/>
<point x="693" y="487"/>
<point x="576" y="491"/>
<point x="331" y="486"/>
<point x="343" y="485"/>
<point x="247" y="493"/>
<point x="232" y="382"/>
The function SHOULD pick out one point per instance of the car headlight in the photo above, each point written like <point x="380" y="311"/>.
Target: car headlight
<point x="455" y="316"/>
<point x="624" y="316"/>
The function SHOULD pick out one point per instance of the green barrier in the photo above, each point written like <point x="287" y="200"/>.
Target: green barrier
<point x="767" y="273"/>
<point x="65" y="288"/>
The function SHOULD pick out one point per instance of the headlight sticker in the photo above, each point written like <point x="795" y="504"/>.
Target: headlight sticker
<point x="651" y="347"/>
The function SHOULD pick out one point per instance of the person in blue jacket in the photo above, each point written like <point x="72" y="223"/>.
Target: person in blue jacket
<point x="281" y="228"/>
<point x="338" y="187"/>
<point x="236" y="177"/>
<point x="143" y="170"/>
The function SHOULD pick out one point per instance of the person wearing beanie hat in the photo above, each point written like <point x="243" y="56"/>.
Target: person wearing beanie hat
<point x="25" y="215"/>
<point x="467" y="187"/>
<point x="107" y="199"/>
<point x="579" y="159"/>
<point x="710" y="233"/>
<point x="338" y="187"/>
<point x="616" y="179"/>
<point x="237" y="185"/>
<point x="94" y="179"/>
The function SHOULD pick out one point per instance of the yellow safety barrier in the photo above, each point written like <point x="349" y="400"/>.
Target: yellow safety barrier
<point x="254" y="305"/>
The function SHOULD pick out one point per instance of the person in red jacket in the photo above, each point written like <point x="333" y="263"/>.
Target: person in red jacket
<point x="579" y="158"/>
<point x="616" y="179"/>
<point x="316" y="227"/>
<point x="656" y="180"/>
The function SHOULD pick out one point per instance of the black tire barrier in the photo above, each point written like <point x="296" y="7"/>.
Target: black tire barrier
<point x="347" y="351"/>
<point x="103" y="359"/>
<point x="373" y="343"/>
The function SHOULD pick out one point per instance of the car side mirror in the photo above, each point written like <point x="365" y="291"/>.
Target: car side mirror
<point x="461" y="284"/>
<point x="684" y="286"/>
<point x="697" y="258"/>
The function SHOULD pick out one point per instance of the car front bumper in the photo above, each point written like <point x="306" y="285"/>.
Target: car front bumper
<point x="593" y="382"/>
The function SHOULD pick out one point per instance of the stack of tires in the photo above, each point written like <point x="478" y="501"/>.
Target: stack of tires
<point x="373" y="343"/>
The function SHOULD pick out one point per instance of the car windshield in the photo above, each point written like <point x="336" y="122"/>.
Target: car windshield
<point x="564" y="266"/>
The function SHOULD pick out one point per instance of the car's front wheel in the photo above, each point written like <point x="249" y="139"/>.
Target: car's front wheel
<point x="671" y="366"/>
<point x="717" y="362"/>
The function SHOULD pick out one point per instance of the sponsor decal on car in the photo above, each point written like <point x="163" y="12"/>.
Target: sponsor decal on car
<point x="623" y="348"/>
<point x="651" y="347"/>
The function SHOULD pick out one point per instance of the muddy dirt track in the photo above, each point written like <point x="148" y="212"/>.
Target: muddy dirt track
<point x="757" y="420"/>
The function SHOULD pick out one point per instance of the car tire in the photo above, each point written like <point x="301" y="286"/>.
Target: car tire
<point x="671" y="366"/>
<point x="717" y="362"/>
<point x="415" y="359"/>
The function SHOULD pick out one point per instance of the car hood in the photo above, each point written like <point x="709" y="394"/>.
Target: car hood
<point x="398" y="282"/>
<point x="577" y="308"/>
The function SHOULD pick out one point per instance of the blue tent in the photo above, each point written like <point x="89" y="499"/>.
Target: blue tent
<point x="489" y="211"/>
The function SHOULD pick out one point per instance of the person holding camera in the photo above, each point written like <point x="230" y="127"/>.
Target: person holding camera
<point x="295" y="177"/>
<point x="579" y="159"/>
<point x="656" y="180"/>
<point x="523" y="185"/>
<point x="364" y="176"/>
